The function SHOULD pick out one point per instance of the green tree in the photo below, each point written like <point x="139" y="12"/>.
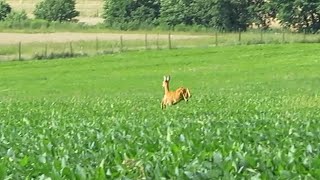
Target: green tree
<point x="131" y="14"/>
<point x="174" y="12"/>
<point x="204" y="12"/>
<point x="220" y="14"/>
<point x="56" y="10"/>
<point x="231" y="15"/>
<point x="299" y="14"/>
<point x="262" y="13"/>
<point x="5" y="9"/>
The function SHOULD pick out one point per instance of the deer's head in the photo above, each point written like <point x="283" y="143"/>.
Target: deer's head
<point x="166" y="80"/>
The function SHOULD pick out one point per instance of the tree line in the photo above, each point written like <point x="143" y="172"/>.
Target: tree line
<point x="225" y="15"/>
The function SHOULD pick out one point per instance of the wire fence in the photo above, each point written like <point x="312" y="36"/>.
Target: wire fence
<point x="51" y="50"/>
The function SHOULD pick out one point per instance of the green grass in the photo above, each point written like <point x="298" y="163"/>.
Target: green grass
<point x="254" y="113"/>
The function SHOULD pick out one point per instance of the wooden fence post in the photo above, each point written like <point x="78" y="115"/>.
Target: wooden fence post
<point x="239" y="36"/>
<point x="46" y="51"/>
<point x="283" y="35"/>
<point x="19" y="51"/>
<point x="146" y="41"/>
<point x="158" y="41"/>
<point x="216" y="38"/>
<point x="71" y="48"/>
<point x="121" y="44"/>
<point x="169" y="40"/>
<point x="97" y="45"/>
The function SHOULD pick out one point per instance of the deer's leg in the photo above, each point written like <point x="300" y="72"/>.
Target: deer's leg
<point x="184" y="95"/>
<point x="162" y="105"/>
<point x="188" y="94"/>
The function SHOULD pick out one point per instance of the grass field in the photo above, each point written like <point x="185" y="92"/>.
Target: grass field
<point x="254" y="114"/>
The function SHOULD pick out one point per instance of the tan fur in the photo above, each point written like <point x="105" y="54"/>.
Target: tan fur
<point x="173" y="97"/>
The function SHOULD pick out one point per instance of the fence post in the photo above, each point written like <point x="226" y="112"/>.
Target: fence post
<point x="121" y="44"/>
<point x="240" y="35"/>
<point x="158" y="42"/>
<point x="97" y="45"/>
<point x="71" y="49"/>
<point x="216" y="34"/>
<point x="304" y="35"/>
<point x="19" y="51"/>
<point x="283" y="35"/>
<point x="261" y="35"/>
<point x="169" y="40"/>
<point x="146" y="41"/>
<point x="46" y="51"/>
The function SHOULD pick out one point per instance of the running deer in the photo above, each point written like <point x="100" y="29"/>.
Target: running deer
<point x="173" y="97"/>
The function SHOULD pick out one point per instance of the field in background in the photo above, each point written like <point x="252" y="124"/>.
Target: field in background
<point x="90" y="10"/>
<point x="254" y="114"/>
<point x="87" y="8"/>
<point x="44" y="45"/>
<point x="51" y="45"/>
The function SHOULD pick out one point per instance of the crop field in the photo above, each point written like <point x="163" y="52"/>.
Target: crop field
<point x="87" y="8"/>
<point x="254" y="113"/>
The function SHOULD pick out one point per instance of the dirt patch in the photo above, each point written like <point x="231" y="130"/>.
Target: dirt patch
<point x="14" y="38"/>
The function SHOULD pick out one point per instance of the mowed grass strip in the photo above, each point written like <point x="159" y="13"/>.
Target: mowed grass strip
<point x="254" y="113"/>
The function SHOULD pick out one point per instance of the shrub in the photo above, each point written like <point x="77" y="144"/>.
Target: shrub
<point x="16" y="19"/>
<point x="182" y="27"/>
<point x="56" y="10"/>
<point x="42" y="56"/>
<point x="39" y="24"/>
<point x="131" y="14"/>
<point x="5" y="9"/>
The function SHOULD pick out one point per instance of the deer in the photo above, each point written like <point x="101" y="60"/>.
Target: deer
<point x="173" y="97"/>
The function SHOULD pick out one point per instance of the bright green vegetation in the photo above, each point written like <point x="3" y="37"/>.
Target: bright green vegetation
<point x="254" y="113"/>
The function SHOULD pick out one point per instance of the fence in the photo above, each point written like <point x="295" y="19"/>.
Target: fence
<point x="47" y="50"/>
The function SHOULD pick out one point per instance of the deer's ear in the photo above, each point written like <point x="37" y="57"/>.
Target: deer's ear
<point x="168" y="78"/>
<point x="164" y="78"/>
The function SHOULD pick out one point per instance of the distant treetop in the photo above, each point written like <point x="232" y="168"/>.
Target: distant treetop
<point x="56" y="10"/>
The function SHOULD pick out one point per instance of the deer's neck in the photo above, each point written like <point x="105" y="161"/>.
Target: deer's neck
<point x="166" y="88"/>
